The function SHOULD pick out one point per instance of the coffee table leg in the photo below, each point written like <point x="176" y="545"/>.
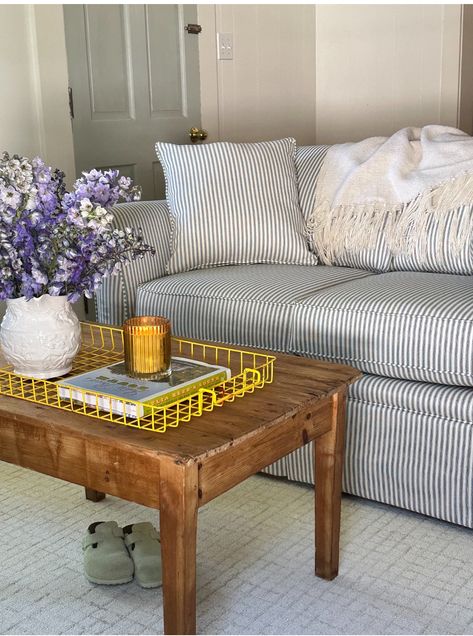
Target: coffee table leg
<point x="328" y="452"/>
<point x="94" y="495"/>
<point x="178" y="529"/>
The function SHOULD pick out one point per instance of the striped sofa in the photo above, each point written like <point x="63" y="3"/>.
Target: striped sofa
<point x="409" y="419"/>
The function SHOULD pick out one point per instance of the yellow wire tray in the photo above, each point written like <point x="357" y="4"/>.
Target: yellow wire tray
<point x="103" y="345"/>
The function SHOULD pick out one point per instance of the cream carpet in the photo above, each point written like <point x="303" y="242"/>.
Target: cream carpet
<point x="400" y="572"/>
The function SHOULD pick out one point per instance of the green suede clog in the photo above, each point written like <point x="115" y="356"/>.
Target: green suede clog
<point x="142" y="541"/>
<point x="106" y="558"/>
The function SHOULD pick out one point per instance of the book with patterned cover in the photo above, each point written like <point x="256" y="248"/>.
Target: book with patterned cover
<point x="187" y="377"/>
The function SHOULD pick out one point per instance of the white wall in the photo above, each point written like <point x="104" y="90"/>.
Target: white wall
<point x="52" y="81"/>
<point x="329" y="73"/>
<point x="268" y="89"/>
<point x="379" y="68"/>
<point x="34" y="112"/>
<point x="19" y="129"/>
<point x="466" y="90"/>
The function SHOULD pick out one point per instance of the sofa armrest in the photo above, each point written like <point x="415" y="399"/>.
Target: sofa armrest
<point x="115" y="300"/>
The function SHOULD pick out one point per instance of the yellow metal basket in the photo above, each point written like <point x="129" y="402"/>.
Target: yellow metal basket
<point x="103" y="345"/>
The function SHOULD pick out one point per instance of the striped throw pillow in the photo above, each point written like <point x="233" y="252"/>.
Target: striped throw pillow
<point x="233" y="203"/>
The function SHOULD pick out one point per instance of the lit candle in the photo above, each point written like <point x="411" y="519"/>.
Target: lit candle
<point x="147" y="344"/>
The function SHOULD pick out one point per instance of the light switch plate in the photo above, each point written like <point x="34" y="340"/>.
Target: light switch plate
<point x="225" y="46"/>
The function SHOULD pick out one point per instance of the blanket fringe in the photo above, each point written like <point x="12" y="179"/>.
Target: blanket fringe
<point x="434" y="215"/>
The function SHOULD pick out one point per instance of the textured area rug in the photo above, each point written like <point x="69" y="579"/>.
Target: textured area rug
<point x="400" y="572"/>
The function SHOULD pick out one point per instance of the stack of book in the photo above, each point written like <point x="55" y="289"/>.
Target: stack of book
<point x="118" y="392"/>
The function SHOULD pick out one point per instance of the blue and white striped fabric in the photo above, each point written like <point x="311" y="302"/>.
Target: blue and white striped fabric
<point x="233" y="204"/>
<point x="249" y="305"/>
<point x="409" y="325"/>
<point x="377" y="259"/>
<point x="115" y="300"/>
<point x="446" y="261"/>
<point x="408" y="444"/>
<point x="309" y="160"/>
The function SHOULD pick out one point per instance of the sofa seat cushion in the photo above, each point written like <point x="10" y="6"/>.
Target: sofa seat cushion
<point x="409" y="325"/>
<point x="247" y="305"/>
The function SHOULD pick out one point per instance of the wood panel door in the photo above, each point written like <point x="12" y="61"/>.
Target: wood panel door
<point x="134" y="77"/>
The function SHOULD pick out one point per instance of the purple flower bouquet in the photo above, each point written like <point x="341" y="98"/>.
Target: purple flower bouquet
<point x="56" y="242"/>
<point x="54" y="247"/>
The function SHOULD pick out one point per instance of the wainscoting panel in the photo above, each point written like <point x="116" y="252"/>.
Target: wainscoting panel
<point x="268" y="90"/>
<point x="329" y="73"/>
<point x="109" y="67"/>
<point x="166" y="59"/>
<point x="383" y="67"/>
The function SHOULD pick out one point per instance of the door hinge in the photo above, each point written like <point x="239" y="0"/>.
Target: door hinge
<point x="193" y="29"/>
<point x="71" y="103"/>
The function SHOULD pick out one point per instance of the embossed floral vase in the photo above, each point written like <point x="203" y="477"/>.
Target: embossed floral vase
<point x="40" y="337"/>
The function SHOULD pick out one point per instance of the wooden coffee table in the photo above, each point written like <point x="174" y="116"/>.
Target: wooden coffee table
<point x="184" y="468"/>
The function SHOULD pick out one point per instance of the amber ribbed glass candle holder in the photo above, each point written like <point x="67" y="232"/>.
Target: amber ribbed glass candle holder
<point x="147" y="344"/>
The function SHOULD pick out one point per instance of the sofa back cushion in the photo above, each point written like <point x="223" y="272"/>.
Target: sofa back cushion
<point x="438" y="256"/>
<point x="429" y="258"/>
<point x="233" y="204"/>
<point x="309" y="160"/>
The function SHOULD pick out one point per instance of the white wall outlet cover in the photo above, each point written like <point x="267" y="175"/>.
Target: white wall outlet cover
<point x="225" y="46"/>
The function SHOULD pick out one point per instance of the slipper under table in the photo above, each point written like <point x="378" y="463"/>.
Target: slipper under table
<point x="142" y="541"/>
<point x="106" y="558"/>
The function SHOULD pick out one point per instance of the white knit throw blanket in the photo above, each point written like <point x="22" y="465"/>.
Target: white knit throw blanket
<point x="392" y="188"/>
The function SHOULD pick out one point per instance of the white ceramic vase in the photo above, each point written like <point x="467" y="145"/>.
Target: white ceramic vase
<point x="40" y="337"/>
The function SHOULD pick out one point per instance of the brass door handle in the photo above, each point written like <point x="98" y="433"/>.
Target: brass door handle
<point x="197" y="135"/>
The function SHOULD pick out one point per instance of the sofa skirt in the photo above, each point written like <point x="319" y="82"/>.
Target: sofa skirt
<point x="408" y="444"/>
